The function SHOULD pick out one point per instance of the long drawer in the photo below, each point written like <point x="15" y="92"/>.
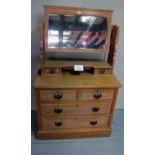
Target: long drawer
<point x="96" y="94"/>
<point x="57" y="95"/>
<point x="81" y="109"/>
<point x="56" y="123"/>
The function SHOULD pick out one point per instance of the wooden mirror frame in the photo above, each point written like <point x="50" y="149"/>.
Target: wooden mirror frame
<point x="76" y="11"/>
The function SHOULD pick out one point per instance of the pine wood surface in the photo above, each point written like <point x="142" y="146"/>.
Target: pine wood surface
<point x="65" y="103"/>
<point x="84" y="80"/>
<point x="62" y="8"/>
<point x="113" y="45"/>
<point x="49" y="95"/>
<point x="74" y="133"/>
<point x="61" y="63"/>
<point x="113" y="145"/>
<point x="74" y="122"/>
<point x="88" y="94"/>
<point x="61" y="109"/>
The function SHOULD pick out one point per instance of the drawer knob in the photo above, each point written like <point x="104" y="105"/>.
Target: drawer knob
<point x="93" y="122"/>
<point x="58" y="124"/>
<point x="95" y="109"/>
<point x="58" y="97"/>
<point x="58" y="111"/>
<point x="97" y="96"/>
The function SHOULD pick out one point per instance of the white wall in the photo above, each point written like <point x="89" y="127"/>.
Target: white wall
<point x="118" y="18"/>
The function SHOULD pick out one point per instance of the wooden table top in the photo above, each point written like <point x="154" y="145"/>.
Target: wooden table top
<point x="84" y="80"/>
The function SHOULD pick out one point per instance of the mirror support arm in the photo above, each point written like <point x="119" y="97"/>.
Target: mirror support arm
<point x="113" y="44"/>
<point x="41" y="40"/>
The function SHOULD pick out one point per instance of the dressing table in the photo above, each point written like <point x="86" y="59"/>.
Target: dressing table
<point x="76" y="98"/>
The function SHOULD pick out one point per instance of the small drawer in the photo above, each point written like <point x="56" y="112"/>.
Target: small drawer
<point x="96" y="94"/>
<point x="57" y="103"/>
<point x="57" y="95"/>
<point x="56" y="123"/>
<point x="82" y="109"/>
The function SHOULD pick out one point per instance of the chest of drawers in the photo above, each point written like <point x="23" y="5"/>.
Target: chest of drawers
<point x="76" y="98"/>
<point x="75" y="107"/>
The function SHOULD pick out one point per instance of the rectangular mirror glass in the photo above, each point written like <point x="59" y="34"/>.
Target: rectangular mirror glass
<point x="76" y="31"/>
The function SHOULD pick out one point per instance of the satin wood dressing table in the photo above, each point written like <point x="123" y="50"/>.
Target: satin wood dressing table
<point x="76" y="98"/>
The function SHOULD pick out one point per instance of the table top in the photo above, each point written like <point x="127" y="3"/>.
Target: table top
<point x="84" y="80"/>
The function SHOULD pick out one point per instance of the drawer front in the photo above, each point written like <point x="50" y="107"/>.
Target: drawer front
<point x="73" y="122"/>
<point x="57" y="95"/>
<point x="82" y="109"/>
<point x="96" y="94"/>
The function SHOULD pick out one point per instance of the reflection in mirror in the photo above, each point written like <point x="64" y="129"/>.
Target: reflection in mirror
<point x="75" y="31"/>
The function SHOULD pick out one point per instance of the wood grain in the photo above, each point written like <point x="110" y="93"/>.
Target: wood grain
<point x="41" y="39"/>
<point x="70" y="122"/>
<point x="113" y="43"/>
<point x="50" y="95"/>
<point x="84" y="80"/>
<point x="89" y="94"/>
<point x="74" y="133"/>
<point x="72" y="109"/>
<point x="63" y="63"/>
<point x="57" y="67"/>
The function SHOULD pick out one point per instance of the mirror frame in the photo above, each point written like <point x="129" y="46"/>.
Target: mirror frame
<point x="76" y="11"/>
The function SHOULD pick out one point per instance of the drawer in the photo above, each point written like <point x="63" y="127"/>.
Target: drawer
<point x="57" y="95"/>
<point x="82" y="109"/>
<point x="56" y="123"/>
<point x="57" y="103"/>
<point x="96" y="94"/>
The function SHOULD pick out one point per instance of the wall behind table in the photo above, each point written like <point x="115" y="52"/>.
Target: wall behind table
<point x="37" y="13"/>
